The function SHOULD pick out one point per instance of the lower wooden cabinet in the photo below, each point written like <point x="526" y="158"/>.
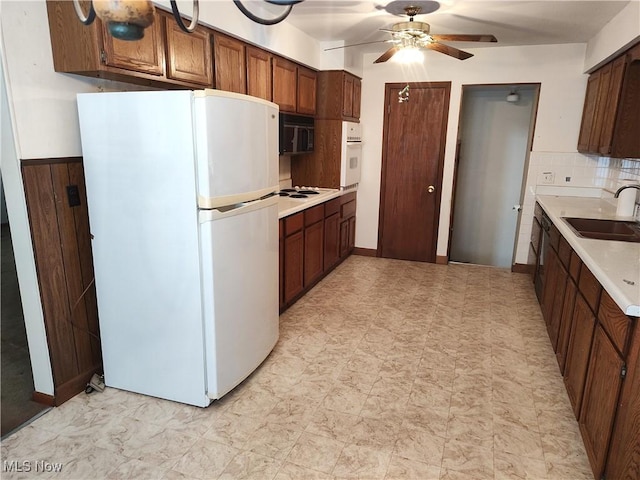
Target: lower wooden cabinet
<point x="578" y="352"/>
<point x="312" y="243"/>
<point x="598" y="351"/>
<point x="601" y="391"/>
<point x="293" y="262"/>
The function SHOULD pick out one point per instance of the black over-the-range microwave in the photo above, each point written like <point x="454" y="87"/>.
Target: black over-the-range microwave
<point x="296" y="134"/>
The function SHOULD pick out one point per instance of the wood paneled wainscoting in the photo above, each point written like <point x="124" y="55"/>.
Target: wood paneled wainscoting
<point x="59" y="220"/>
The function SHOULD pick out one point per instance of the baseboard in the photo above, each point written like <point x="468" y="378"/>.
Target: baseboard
<point x="365" y="252"/>
<point x="44" y="399"/>
<point x="523" y="268"/>
<point x="442" y="260"/>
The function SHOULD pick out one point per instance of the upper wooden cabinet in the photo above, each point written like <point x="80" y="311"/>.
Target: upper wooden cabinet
<point x="609" y="119"/>
<point x="306" y="93"/>
<point x="258" y="73"/>
<point x="285" y="84"/>
<point x="294" y="87"/>
<point x="188" y="54"/>
<point x="164" y="57"/>
<point x="230" y="64"/>
<point x="338" y="95"/>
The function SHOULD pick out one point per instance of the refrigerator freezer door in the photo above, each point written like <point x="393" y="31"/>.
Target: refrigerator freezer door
<point x="240" y="291"/>
<point x="236" y="147"/>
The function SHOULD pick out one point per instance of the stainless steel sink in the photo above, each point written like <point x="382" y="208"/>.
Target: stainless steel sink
<point x="620" y="230"/>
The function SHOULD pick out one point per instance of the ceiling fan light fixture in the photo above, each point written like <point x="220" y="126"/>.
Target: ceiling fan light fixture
<point x="409" y="55"/>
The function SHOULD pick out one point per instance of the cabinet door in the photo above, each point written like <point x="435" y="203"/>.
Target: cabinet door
<point x="578" y="352"/>
<point x="293" y="262"/>
<point x="347" y="95"/>
<point x="145" y="55"/>
<point x="352" y="234"/>
<point x="588" y="112"/>
<point x="313" y="252"/>
<point x="603" y="91"/>
<point x="555" y="317"/>
<point x="281" y="266"/>
<point x="549" y="288"/>
<point x="565" y="323"/>
<point x="284" y="84"/>
<point x="188" y="54"/>
<point x="611" y="106"/>
<point x="357" y="89"/>
<point x="258" y="73"/>
<point x="600" y="399"/>
<point x="331" y="240"/>
<point x="306" y="91"/>
<point x="229" y="57"/>
<point x="344" y="238"/>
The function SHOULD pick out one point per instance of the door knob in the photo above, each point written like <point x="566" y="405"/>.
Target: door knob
<point x="431" y="189"/>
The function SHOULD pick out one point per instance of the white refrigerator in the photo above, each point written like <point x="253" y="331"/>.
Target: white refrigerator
<point x="185" y="237"/>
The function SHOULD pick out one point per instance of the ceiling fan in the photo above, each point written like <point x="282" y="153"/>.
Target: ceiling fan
<point x="415" y="35"/>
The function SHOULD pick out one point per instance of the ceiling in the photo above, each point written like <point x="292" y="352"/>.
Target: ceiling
<point x="514" y="22"/>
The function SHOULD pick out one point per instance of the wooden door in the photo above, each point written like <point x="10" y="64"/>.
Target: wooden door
<point x="293" y="265"/>
<point x="331" y="240"/>
<point x="145" y="55"/>
<point x="306" y="94"/>
<point x="357" y="88"/>
<point x="188" y="54"/>
<point x="565" y="323"/>
<point x="258" y="73"/>
<point x="603" y="93"/>
<point x="229" y="57"/>
<point x="600" y="399"/>
<point x="589" y="111"/>
<point x="313" y="252"/>
<point x="412" y="162"/>
<point x="578" y="352"/>
<point x="284" y="84"/>
<point x="347" y="95"/>
<point x="611" y="107"/>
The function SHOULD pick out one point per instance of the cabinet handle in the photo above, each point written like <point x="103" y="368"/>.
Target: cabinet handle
<point x="431" y="189"/>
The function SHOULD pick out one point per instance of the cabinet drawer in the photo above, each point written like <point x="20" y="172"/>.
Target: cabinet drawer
<point x="614" y="322"/>
<point x="331" y="207"/>
<point x="574" y="266"/>
<point x="293" y="223"/>
<point x="348" y="209"/>
<point x="564" y="252"/>
<point x="590" y="288"/>
<point x="313" y="215"/>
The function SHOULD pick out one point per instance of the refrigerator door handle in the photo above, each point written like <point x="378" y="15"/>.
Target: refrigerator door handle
<point x="228" y="211"/>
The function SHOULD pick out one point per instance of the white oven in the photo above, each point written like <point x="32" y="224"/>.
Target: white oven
<point x="351" y="156"/>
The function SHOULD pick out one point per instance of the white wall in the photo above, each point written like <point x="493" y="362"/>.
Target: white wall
<point x="615" y="36"/>
<point x="558" y="68"/>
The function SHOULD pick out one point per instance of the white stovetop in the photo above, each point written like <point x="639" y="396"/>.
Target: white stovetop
<point x="611" y="262"/>
<point x="288" y="206"/>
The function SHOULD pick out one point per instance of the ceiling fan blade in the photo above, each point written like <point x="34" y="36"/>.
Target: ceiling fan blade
<point x="387" y="55"/>
<point x="464" y="38"/>
<point x="356" y="44"/>
<point x="447" y="50"/>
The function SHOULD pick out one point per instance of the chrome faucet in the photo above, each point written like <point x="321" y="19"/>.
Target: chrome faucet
<point x="635" y="185"/>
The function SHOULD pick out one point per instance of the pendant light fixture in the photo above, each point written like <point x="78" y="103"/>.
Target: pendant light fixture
<point x="268" y="21"/>
<point x="127" y="19"/>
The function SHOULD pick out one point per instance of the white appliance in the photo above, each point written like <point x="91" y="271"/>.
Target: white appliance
<point x="351" y="156"/>
<point x="185" y="244"/>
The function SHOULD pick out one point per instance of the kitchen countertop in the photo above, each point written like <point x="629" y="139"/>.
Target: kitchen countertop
<point x="611" y="262"/>
<point x="289" y="206"/>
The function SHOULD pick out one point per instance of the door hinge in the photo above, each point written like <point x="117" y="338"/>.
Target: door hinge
<point x="623" y="371"/>
<point x="103" y="56"/>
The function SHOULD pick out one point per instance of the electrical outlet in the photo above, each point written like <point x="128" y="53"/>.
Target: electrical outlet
<point x="548" y="177"/>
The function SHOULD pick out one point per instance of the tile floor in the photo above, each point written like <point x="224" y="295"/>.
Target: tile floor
<point x="386" y="370"/>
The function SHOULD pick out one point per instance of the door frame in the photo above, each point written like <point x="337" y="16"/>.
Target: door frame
<point x="441" y="159"/>
<point x="532" y="126"/>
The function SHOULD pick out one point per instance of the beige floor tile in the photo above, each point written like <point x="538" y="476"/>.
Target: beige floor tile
<point x="250" y="465"/>
<point x="316" y="452"/>
<point x="405" y="469"/>
<point x="471" y="429"/>
<point x="469" y="459"/>
<point x="291" y="471"/>
<point x="417" y="444"/>
<point x="205" y="459"/>
<point x="362" y="462"/>
<point x="513" y="467"/>
<point x="517" y="440"/>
